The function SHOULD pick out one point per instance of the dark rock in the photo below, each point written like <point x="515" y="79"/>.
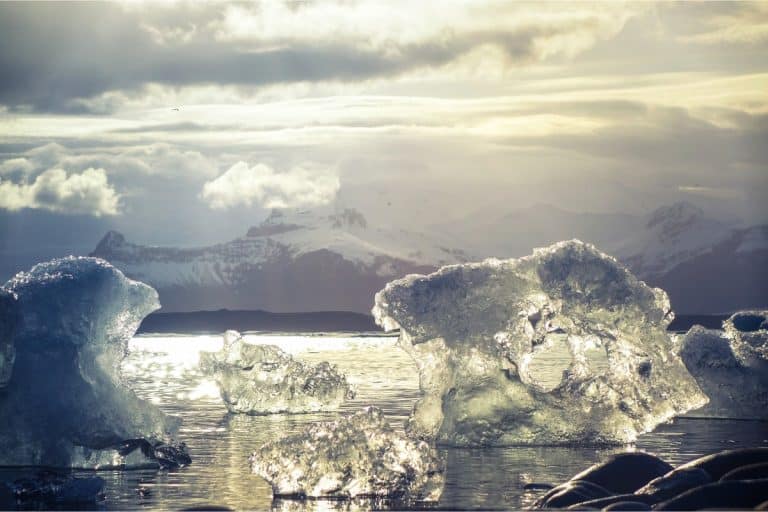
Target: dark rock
<point x="625" y="472"/>
<point x="48" y="487"/>
<point x="718" y="464"/>
<point x="720" y="495"/>
<point x="172" y="456"/>
<point x="674" y="483"/>
<point x="601" y="503"/>
<point x="750" y="472"/>
<point x="538" y="486"/>
<point x="572" y="492"/>
<point x="628" y="505"/>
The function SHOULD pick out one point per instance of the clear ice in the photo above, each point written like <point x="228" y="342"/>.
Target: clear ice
<point x="262" y="379"/>
<point x="731" y="366"/>
<point x="561" y="347"/>
<point x="358" y="456"/>
<point x="64" y="403"/>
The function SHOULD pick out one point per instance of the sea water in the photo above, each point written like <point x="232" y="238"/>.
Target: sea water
<point x="163" y="369"/>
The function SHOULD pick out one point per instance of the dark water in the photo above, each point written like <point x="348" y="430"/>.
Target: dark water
<point x="163" y="370"/>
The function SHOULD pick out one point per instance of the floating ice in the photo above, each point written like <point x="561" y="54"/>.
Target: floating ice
<point x="731" y="367"/>
<point x="65" y="404"/>
<point x="564" y="346"/>
<point x="262" y="379"/>
<point x="358" y="456"/>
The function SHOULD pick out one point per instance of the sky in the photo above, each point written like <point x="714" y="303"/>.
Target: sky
<point x="184" y="123"/>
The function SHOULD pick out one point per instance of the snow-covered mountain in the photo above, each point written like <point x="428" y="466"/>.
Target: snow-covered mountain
<point x="293" y="261"/>
<point x="335" y="260"/>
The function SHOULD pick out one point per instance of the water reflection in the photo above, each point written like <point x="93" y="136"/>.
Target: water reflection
<point x="164" y="370"/>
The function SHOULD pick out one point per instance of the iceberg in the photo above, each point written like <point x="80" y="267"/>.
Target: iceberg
<point x="561" y="347"/>
<point x="262" y="379"/>
<point x="358" y="456"/>
<point x="65" y="404"/>
<point x="731" y="366"/>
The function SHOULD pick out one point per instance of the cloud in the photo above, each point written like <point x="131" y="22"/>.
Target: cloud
<point x="82" y="67"/>
<point x="733" y="22"/>
<point x="261" y="185"/>
<point x="88" y="193"/>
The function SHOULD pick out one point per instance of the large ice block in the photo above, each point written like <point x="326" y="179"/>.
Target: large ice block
<point x="561" y="347"/>
<point x="731" y="366"/>
<point x="262" y="379"/>
<point x="65" y="404"/>
<point x="358" y="456"/>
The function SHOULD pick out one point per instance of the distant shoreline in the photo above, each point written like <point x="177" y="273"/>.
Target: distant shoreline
<point x="216" y="322"/>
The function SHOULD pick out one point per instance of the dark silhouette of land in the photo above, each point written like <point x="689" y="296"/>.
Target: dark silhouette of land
<point x="208" y="322"/>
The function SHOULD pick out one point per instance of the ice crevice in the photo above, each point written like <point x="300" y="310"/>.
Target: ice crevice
<point x="564" y="346"/>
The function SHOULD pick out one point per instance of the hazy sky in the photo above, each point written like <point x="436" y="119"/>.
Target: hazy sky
<point x="415" y="112"/>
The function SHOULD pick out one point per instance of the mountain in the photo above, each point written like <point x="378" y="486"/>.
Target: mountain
<point x="294" y="261"/>
<point x="334" y="260"/>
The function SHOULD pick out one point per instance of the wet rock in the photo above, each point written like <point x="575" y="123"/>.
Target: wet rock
<point x="601" y="503"/>
<point x="628" y="505"/>
<point x="625" y="472"/>
<point x="673" y="483"/>
<point x="720" y="495"/>
<point x="718" y="464"/>
<point x="749" y="472"/>
<point x="572" y="492"/>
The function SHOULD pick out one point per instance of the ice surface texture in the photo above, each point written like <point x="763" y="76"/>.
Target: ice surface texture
<point x="64" y="404"/>
<point x="356" y="456"/>
<point x="564" y="346"/>
<point x="262" y="379"/>
<point x="731" y="367"/>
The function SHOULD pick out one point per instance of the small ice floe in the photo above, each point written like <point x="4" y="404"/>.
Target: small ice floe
<point x="64" y="403"/>
<point x="564" y="346"/>
<point x="731" y="366"/>
<point x="262" y="379"/>
<point x="358" y="456"/>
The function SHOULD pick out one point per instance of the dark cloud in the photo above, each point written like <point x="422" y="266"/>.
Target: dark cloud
<point x="52" y="54"/>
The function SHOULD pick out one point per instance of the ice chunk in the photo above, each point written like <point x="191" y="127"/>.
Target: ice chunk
<point x="358" y="456"/>
<point x="65" y="404"/>
<point x="731" y="367"/>
<point x="8" y="321"/>
<point x="262" y="379"/>
<point x="563" y="346"/>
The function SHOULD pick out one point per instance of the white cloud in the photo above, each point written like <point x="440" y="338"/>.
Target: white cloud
<point x="88" y="193"/>
<point x="261" y="185"/>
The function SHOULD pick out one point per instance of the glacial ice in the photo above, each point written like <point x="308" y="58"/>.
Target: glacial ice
<point x="357" y="456"/>
<point x="564" y="346"/>
<point x="262" y="379"/>
<point x="731" y="366"/>
<point x="65" y="404"/>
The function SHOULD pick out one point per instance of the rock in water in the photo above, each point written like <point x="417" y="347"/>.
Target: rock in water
<point x="731" y="367"/>
<point x="564" y="346"/>
<point x="358" y="456"/>
<point x="65" y="404"/>
<point x="262" y="379"/>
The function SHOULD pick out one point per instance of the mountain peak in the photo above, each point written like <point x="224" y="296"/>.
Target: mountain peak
<point x="111" y="241"/>
<point x="680" y="213"/>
